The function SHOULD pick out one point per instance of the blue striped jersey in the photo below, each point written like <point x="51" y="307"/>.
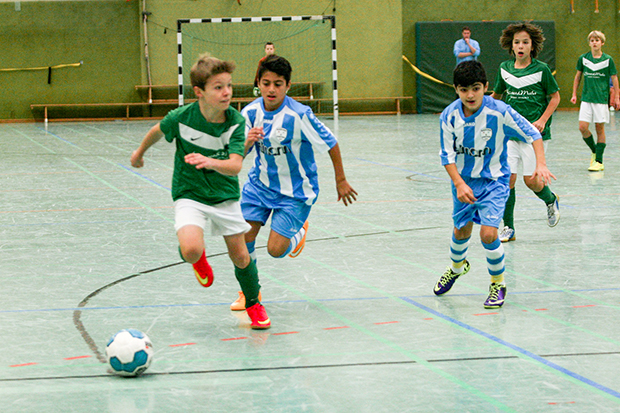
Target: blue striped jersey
<point x="477" y="144"/>
<point x="284" y="159"/>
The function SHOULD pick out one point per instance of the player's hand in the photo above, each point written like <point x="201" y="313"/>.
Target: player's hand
<point x="465" y="194"/>
<point x="255" y="134"/>
<point x="573" y="99"/>
<point x="136" y="160"/>
<point x="199" y="161"/>
<point x="540" y="125"/>
<point x="346" y="192"/>
<point x="544" y="174"/>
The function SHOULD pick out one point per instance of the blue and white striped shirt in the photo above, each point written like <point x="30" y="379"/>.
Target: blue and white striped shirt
<point x="285" y="157"/>
<point x="477" y="144"/>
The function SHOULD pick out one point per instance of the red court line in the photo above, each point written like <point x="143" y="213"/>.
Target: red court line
<point x="288" y="332"/>
<point x="181" y="345"/>
<point x="335" y="328"/>
<point x="428" y="318"/>
<point x="23" y="365"/>
<point x="76" y="358"/>
<point x="582" y="306"/>
<point x="541" y="309"/>
<point x="234" y="338"/>
<point x="388" y="322"/>
<point x="561" y="402"/>
<point x="485" y="314"/>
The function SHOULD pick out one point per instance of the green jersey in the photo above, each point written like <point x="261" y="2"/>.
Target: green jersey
<point x="527" y="90"/>
<point x="596" y="74"/>
<point x="193" y="134"/>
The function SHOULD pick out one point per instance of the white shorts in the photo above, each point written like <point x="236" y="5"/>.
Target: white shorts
<point x="521" y="153"/>
<point x="594" y="112"/>
<point x="226" y="217"/>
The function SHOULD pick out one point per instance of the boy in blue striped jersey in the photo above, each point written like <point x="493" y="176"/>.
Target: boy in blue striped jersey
<point x="283" y="183"/>
<point x="474" y="133"/>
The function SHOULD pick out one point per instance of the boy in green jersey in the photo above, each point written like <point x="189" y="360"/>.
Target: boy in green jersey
<point x="529" y="88"/>
<point x="210" y="144"/>
<point x="597" y="68"/>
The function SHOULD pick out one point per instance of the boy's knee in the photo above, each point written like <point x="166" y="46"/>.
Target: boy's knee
<point x="488" y="235"/>
<point x="191" y="254"/>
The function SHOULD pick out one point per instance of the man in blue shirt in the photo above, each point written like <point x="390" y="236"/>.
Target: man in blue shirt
<point x="466" y="48"/>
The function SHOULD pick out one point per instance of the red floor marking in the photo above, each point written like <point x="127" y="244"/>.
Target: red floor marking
<point x="181" y="345"/>
<point x="561" y="402"/>
<point x="288" y="332"/>
<point x="542" y="309"/>
<point x="429" y="318"/>
<point x="23" y="365"/>
<point x="234" y="338"/>
<point x="78" y="357"/>
<point x="388" y="322"/>
<point x="335" y="328"/>
<point x="485" y="314"/>
<point x="582" y="306"/>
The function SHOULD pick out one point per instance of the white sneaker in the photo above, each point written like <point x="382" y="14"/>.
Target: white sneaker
<point x="507" y="234"/>
<point x="553" y="212"/>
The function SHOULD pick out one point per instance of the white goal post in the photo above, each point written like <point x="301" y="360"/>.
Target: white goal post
<point x="308" y="42"/>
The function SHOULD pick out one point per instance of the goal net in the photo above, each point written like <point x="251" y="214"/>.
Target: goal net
<point x="308" y="42"/>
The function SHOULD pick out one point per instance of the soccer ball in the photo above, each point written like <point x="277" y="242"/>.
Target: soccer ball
<point x="129" y="352"/>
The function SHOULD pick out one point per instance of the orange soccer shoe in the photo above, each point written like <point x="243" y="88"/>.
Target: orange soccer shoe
<point x="301" y="244"/>
<point x="239" y="304"/>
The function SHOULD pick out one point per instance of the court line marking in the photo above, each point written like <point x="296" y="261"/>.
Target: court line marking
<point x="577" y="377"/>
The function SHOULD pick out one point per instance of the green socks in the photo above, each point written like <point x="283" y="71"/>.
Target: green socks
<point x="509" y="212"/>
<point x="546" y="195"/>
<point x="248" y="280"/>
<point x="590" y="142"/>
<point x="600" y="148"/>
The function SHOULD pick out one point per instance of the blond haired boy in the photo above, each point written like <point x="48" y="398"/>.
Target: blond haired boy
<point x="597" y="68"/>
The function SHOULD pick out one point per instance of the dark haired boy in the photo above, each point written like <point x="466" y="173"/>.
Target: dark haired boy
<point x="283" y="183"/>
<point x="529" y="88"/>
<point x="474" y="132"/>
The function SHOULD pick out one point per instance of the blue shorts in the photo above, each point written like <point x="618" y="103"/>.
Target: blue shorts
<point x="258" y="202"/>
<point x="490" y="204"/>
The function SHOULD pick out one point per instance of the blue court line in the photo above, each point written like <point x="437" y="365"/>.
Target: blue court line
<point x="515" y="348"/>
<point x="143" y="177"/>
<point x="402" y="169"/>
<point x="35" y="310"/>
<point x="62" y="139"/>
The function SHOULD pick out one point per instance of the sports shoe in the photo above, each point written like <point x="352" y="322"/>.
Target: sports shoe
<point x="259" y="317"/>
<point x="596" y="167"/>
<point x="592" y="160"/>
<point x="497" y="294"/>
<point x="203" y="271"/>
<point x="301" y="244"/>
<point x="507" y="234"/>
<point x="239" y="304"/>
<point x="448" y="278"/>
<point x="553" y="212"/>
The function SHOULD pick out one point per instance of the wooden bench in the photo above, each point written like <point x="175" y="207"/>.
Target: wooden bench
<point x="397" y="100"/>
<point x="237" y="101"/>
<point x="127" y="106"/>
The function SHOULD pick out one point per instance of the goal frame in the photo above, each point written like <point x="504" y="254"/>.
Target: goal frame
<point x="332" y="18"/>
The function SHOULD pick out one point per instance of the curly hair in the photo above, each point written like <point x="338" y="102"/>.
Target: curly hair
<point x="535" y="33"/>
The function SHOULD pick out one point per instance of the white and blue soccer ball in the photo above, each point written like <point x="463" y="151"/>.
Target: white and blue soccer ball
<point x="129" y="352"/>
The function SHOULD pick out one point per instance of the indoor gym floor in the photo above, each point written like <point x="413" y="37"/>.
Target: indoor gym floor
<point x="88" y="247"/>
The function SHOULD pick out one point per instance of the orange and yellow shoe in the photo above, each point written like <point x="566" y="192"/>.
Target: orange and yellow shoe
<point x="203" y="271"/>
<point x="259" y="317"/>
<point x="239" y="304"/>
<point x="302" y="243"/>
